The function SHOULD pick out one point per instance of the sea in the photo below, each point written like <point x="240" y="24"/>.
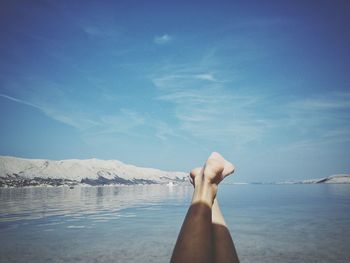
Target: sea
<point x="268" y="223"/>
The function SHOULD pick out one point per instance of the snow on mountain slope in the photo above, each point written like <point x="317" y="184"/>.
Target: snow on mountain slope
<point x="339" y="179"/>
<point x="78" y="170"/>
<point x="333" y="179"/>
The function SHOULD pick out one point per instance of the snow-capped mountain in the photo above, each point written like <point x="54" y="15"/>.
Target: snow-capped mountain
<point x="20" y="172"/>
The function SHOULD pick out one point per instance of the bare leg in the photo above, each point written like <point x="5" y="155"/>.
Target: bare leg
<point x="224" y="249"/>
<point x="223" y="246"/>
<point x="195" y="241"/>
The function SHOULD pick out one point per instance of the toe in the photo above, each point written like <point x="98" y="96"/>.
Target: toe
<point x="228" y="169"/>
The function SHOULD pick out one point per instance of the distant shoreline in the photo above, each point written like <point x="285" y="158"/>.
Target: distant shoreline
<point x="19" y="172"/>
<point x="72" y="185"/>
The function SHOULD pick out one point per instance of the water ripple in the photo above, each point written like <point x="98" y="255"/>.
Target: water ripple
<point x="97" y="203"/>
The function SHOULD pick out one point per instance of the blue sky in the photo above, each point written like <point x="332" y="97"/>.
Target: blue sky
<point x="164" y="83"/>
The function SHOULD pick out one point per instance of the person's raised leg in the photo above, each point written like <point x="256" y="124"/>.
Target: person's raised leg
<point x="194" y="243"/>
<point x="223" y="246"/>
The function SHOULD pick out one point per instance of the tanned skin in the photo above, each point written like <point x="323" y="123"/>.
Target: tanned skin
<point x="204" y="236"/>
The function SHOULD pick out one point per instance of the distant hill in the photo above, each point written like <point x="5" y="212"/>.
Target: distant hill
<point x="333" y="179"/>
<point x="30" y="172"/>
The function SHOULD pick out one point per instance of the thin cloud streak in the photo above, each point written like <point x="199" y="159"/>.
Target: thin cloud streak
<point x="329" y="103"/>
<point x="20" y="101"/>
<point x="75" y="121"/>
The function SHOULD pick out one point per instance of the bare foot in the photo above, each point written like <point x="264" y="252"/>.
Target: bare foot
<point x="206" y="179"/>
<point x="214" y="163"/>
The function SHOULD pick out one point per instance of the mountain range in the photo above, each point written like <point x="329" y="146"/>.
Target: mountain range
<point x="30" y="172"/>
<point x="17" y="172"/>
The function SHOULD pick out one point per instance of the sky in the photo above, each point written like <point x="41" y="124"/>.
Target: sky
<point x="164" y="83"/>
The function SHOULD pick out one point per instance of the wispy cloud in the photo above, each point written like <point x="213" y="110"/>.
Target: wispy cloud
<point x="317" y="122"/>
<point x="108" y="125"/>
<point x="123" y="121"/>
<point x="209" y="106"/>
<point x="330" y="109"/>
<point x="205" y="107"/>
<point x="206" y="76"/>
<point x="100" y="31"/>
<point x="163" y="39"/>
<point x="20" y="101"/>
<point x="334" y="101"/>
<point x="76" y="120"/>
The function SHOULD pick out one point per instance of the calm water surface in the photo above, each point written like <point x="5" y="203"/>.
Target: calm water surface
<point x="269" y="223"/>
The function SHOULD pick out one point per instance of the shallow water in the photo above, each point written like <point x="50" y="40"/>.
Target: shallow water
<point x="269" y="223"/>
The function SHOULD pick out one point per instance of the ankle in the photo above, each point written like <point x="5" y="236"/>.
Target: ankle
<point x="204" y="191"/>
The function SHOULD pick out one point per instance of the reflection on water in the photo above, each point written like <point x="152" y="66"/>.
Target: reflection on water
<point x="90" y="224"/>
<point x="269" y="223"/>
<point x="102" y="202"/>
<point x="340" y="190"/>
